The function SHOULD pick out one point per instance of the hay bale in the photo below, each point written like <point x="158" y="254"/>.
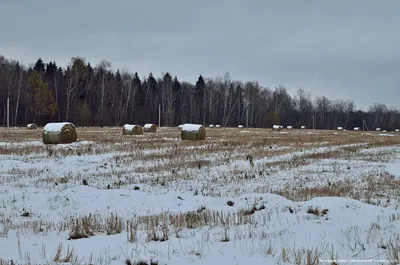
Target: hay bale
<point x="193" y="132"/>
<point x="277" y="127"/>
<point x="31" y="126"/>
<point x="130" y="129"/>
<point x="303" y="127"/>
<point x="356" y="128"/>
<point x="151" y="128"/>
<point x="340" y="128"/>
<point x="217" y="126"/>
<point x="289" y="127"/>
<point x="59" y="133"/>
<point x="180" y="127"/>
<point x="240" y="126"/>
<point x="378" y="129"/>
<point x="211" y="125"/>
<point x="397" y="130"/>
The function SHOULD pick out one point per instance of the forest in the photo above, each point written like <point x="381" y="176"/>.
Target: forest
<point x="100" y="96"/>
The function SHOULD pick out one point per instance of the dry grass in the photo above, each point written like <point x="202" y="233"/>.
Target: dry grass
<point x="69" y="256"/>
<point x="337" y="189"/>
<point x="393" y="251"/>
<point x="316" y="211"/>
<point x="162" y="226"/>
<point x="369" y="188"/>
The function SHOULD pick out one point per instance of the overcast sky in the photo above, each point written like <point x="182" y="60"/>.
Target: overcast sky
<point x="343" y="49"/>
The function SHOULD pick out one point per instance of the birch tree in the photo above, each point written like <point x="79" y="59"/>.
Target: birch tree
<point x="21" y="73"/>
<point x="102" y="89"/>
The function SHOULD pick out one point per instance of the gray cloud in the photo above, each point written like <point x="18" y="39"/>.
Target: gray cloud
<point x="341" y="49"/>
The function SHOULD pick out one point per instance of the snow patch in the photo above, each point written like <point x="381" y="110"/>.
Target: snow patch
<point x="55" y="126"/>
<point x="191" y="127"/>
<point x="148" y="125"/>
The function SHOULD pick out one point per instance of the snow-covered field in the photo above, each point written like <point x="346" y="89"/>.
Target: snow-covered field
<point x="239" y="197"/>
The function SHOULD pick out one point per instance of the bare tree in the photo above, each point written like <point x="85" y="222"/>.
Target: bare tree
<point x="103" y="88"/>
<point x="19" y="87"/>
<point x="126" y="96"/>
<point x="76" y="74"/>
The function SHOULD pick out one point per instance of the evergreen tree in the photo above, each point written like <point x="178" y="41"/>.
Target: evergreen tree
<point x="139" y="112"/>
<point x="177" y="105"/>
<point x="199" y="92"/>
<point x="153" y="97"/>
<point x="39" y="66"/>
<point x="43" y="99"/>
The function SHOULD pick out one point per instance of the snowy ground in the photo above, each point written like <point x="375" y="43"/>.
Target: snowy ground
<point x="240" y="197"/>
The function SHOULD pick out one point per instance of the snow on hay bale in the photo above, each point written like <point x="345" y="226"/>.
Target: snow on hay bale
<point x="193" y="132"/>
<point x="217" y="126"/>
<point x="180" y="127"/>
<point x="240" y="126"/>
<point x="289" y="127"/>
<point x="211" y="125"/>
<point x="356" y="128"/>
<point x="130" y="129"/>
<point x="59" y="133"/>
<point x="152" y="128"/>
<point x="277" y="127"/>
<point x="378" y="129"/>
<point x="31" y="126"/>
<point x="303" y="127"/>
<point x="340" y="128"/>
<point x="397" y="130"/>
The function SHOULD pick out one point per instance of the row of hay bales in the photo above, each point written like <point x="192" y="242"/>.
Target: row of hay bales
<point x="339" y="128"/>
<point x="65" y="132"/>
<point x="130" y="129"/>
<point x="193" y="132"/>
<point x="219" y="126"/>
<point x="280" y="127"/>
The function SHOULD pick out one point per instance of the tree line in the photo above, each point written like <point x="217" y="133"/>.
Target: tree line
<point x="99" y="96"/>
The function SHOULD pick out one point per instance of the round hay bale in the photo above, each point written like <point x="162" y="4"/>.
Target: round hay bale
<point x="211" y="125"/>
<point x="151" y="128"/>
<point x="59" y="133"/>
<point x="130" y="129"/>
<point x="303" y="127"/>
<point x="193" y="132"/>
<point x="31" y="126"/>
<point x="289" y="127"/>
<point x="277" y="127"/>
<point x="217" y="126"/>
<point x="240" y="126"/>
<point x="356" y="128"/>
